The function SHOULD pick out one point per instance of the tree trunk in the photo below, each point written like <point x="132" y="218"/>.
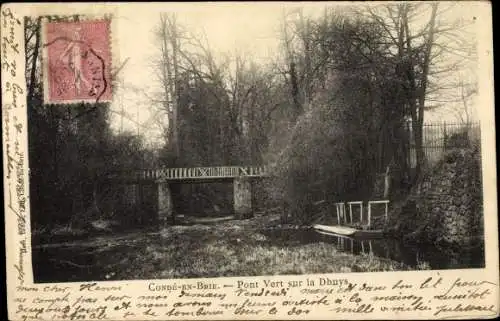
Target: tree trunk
<point x="419" y="149"/>
<point x="175" y="91"/>
<point x="169" y="75"/>
<point x="422" y="92"/>
<point x="32" y="84"/>
<point x="295" y="90"/>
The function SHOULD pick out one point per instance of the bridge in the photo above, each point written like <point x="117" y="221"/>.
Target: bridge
<point x="163" y="177"/>
<point x="197" y="173"/>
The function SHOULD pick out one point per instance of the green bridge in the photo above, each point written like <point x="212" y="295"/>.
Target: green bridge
<point x="163" y="177"/>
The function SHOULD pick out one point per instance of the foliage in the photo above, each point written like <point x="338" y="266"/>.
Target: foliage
<point x="351" y="127"/>
<point x="231" y="248"/>
<point x="329" y="114"/>
<point x="72" y="149"/>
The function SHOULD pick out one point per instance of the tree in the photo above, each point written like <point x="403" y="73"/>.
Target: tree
<point x="169" y="43"/>
<point x="425" y="53"/>
<point x="334" y="144"/>
<point x="467" y="92"/>
<point x="71" y="147"/>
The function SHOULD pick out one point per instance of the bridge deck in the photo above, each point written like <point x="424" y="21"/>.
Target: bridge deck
<point x="195" y="173"/>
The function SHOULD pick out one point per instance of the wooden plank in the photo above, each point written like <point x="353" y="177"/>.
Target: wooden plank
<point x="347" y="231"/>
<point x="379" y="202"/>
<point x="341" y="237"/>
<point x="341" y="230"/>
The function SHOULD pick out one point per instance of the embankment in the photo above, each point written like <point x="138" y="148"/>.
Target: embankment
<point x="446" y="206"/>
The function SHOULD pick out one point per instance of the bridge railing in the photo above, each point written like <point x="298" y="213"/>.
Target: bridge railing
<point x="200" y="172"/>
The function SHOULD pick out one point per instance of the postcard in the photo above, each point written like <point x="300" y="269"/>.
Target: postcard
<point x="249" y="161"/>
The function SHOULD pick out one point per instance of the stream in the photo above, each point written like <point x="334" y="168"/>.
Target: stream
<point x="95" y="258"/>
<point x="415" y="255"/>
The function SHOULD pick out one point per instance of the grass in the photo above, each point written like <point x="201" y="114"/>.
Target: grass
<point x="236" y="254"/>
<point x="231" y="248"/>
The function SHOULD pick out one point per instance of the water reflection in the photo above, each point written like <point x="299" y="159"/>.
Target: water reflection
<point x="419" y="256"/>
<point x="92" y="260"/>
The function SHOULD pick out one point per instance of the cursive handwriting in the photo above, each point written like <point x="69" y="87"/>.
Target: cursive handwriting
<point x="13" y="96"/>
<point x="433" y="297"/>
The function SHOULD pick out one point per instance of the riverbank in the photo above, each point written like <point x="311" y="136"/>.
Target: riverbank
<point x="445" y="207"/>
<point x="234" y="248"/>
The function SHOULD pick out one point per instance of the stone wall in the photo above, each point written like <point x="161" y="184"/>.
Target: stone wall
<point x="445" y="207"/>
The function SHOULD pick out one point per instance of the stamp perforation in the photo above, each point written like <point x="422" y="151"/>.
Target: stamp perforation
<point x="80" y="59"/>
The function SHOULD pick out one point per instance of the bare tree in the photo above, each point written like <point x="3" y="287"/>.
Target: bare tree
<point x="33" y="43"/>
<point x="428" y="48"/>
<point x="291" y="63"/>
<point x="467" y="92"/>
<point x="169" y="42"/>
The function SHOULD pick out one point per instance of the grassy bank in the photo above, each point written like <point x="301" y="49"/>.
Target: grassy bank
<point x="233" y="248"/>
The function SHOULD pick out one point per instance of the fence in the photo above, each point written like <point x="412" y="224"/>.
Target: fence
<point x="437" y="137"/>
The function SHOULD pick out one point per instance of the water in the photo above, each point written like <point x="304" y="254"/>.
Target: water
<point x="419" y="256"/>
<point x="98" y="258"/>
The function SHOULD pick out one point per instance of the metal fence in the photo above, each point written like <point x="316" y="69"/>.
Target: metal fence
<point x="438" y="137"/>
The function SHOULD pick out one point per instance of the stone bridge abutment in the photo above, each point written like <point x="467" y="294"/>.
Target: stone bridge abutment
<point x="162" y="180"/>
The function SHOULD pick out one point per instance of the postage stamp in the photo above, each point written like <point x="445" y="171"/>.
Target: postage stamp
<point x="77" y="62"/>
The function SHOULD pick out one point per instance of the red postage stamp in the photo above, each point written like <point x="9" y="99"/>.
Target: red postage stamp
<point x="77" y="62"/>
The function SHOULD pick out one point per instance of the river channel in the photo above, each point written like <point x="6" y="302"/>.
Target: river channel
<point x="107" y="256"/>
<point x="419" y="256"/>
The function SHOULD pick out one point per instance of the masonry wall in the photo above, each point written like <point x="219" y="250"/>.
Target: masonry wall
<point x="446" y="206"/>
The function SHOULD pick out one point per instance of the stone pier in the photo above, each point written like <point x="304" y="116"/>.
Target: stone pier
<point x="165" y="206"/>
<point x="242" y="197"/>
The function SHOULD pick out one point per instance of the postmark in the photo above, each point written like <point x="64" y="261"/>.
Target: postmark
<point x="77" y="61"/>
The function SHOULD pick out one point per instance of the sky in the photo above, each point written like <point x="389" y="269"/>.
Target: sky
<point x="246" y="28"/>
<point x="249" y="28"/>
